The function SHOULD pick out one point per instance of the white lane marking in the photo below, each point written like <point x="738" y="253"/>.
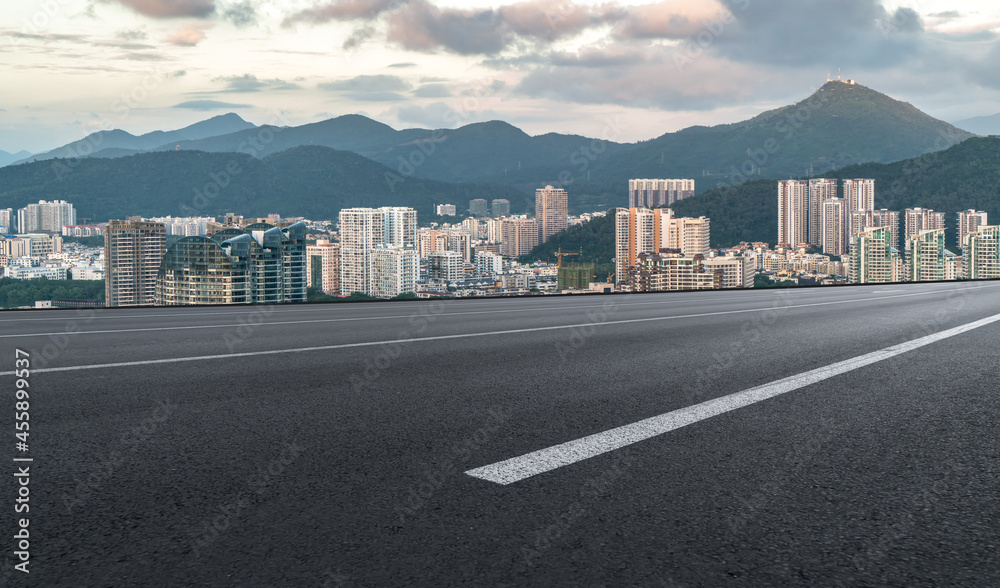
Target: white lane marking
<point x="544" y="460"/>
<point x="241" y="310"/>
<point x="573" y="307"/>
<point x="458" y="336"/>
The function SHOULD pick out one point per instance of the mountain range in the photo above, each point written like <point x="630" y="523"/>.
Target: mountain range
<point x="316" y="182"/>
<point x="118" y="143"/>
<point x="981" y="125"/>
<point x="840" y="124"/>
<point x="316" y="169"/>
<point x="9" y="158"/>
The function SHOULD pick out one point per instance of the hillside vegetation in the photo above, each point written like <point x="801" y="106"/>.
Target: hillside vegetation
<point x="314" y="182"/>
<point x="965" y="176"/>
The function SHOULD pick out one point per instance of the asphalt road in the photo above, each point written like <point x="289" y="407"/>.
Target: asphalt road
<point x="293" y="446"/>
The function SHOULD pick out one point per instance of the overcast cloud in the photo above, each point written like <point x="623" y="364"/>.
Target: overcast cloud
<point x="544" y="65"/>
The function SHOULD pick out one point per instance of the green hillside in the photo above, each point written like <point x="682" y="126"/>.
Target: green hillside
<point x="965" y="176"/>
<point x="594" y="240"/>
<point x="839" y="125"/>
<point x="305" y="181"/>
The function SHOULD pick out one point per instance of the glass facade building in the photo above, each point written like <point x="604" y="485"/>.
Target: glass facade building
<point x="258" y="264"/>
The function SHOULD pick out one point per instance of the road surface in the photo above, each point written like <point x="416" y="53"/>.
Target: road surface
<point x="812" y="437"/>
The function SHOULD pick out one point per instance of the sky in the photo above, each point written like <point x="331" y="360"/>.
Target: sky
<point x="616" y="69"/>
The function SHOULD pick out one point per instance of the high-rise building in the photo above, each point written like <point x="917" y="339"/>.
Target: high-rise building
<point x="500" y="208"/>
<point x="399" y="226"/>
<point x="395" y="271"/>
<point x="493" y="230"/>
<point x="641" y="230"/>
<point x="488" y="263"/>
<point x="8" y="220"/>
<point x="472" y="225"/>
<point x="657" y="193"/>
<point x="477" y="207"/>
<point x="518" y="236"/>
<point x="832" y="226"/>
<point x="133" y="251"/>
<point x="458" y="240"/>
<point x="873" y="259"/>
<point x="922" y="219"/>
<point x="969" y="221"/>
<point x="551" y="212"/>
<point x="690" y="235"/>
<point x="46" y="217"/>
<point x="323" y="266"/>
<point x="276" y="260"/>
<point x="198" y="270"/>
<point x="446" y="266"/>
<point x="637" y="231"/>
<point x="362" y="230"/>
<point x="859" y="194"/>
<point x="925" y="256"/>
<point x="446" y="210"/>
<point x="862" y="220"/>
<point x="185" y="227"/>
<point x="820" y="190"/>
<point x="982" y="254"/>
<point x="793" y="200"/>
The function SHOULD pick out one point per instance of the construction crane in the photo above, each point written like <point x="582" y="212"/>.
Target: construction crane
<point x="561" y="255"/>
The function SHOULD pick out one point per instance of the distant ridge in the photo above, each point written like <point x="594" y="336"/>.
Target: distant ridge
<point x="981" y="125"/>
<point x="115" y="142"/>
<point x="9" y="158"/>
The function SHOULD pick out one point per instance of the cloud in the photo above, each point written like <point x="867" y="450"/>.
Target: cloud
<point x="132" y="35"/>
<point x="401" y="65"/>
<point x="432" y="91"/>
<point x="208" y="105"/>
<point x="250" y="83"/>
<point x="673" y="19"/>
<point x="188" y="35"/>
<point x="342" y="10"/>
<point x="170" y="8"/>
<point x="375" y="97"/>
<point x="422" y="26"/>
<point x="373" y="83"/>
<point x="241" y="14"/>
<point x="439" y="115"/>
